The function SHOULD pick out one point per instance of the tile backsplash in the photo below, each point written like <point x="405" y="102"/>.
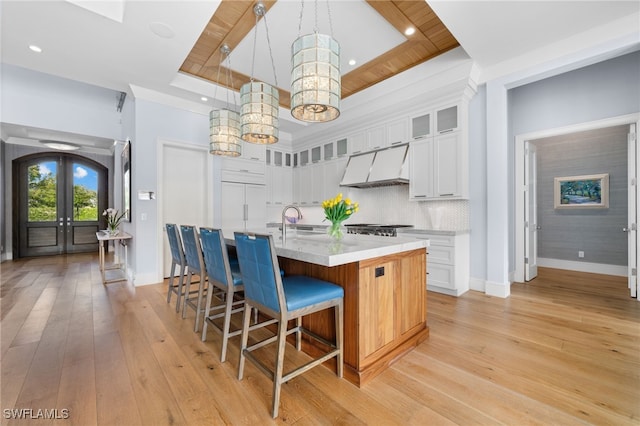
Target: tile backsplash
<point x="391" y="205"/>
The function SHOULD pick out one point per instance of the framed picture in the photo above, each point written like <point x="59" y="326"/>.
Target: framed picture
<point x="126" y="180"/>
<point x="581" y="192"/>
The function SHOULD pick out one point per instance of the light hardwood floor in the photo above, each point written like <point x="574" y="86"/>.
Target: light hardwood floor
<point x="562" y="350"/>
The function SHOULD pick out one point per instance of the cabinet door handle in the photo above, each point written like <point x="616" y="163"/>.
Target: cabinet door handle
<point x="396" y="143"/>
<point x="446" y="195"/>
<point x="255" y="158"/>
<point x="246" y="212"/>
<point x="419" y="196"/>
<point x="445" y="131"/>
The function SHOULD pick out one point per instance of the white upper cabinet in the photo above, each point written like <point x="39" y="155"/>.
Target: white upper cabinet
<point x="376" y="138"/>
<point x="316" y="154"/>
<point x="342" y="147"/>
<point x="304" y="157"/>
<point x="358" y="142"/>
<point x="421" y="126"/>
<point x="253" y="151"/>
<point x="328" y="151"/>
<point x="449" y="177"/>
<point x="421" y="174"/>
<point x="333" y="171"/>
<point x="439" y="154"/>
<point x="447" y="119"/>
<point x="438" y="168"/>
<point x="397" y="131"/>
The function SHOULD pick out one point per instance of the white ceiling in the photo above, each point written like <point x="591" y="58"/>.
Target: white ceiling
<point x="114" y="44"/>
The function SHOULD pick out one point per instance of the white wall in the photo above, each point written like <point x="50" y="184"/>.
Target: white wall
<point x="153" y="122"/>
<point x="35" y="99"/>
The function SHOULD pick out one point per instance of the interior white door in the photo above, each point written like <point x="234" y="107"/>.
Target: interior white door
<point x="632" y="227"/>
<point x="531" y="213"/>
<point x="186" y="190"/>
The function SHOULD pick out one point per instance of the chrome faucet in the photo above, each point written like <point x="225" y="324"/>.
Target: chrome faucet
<point x="284" y="229"/>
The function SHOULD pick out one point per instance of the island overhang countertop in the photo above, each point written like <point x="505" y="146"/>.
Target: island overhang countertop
<point x="320" y="249"/>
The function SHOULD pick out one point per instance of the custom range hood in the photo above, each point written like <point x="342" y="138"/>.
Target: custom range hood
<point x="384" y="167"/>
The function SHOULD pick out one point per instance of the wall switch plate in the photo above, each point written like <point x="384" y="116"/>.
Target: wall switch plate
<point x="580" y="254"/>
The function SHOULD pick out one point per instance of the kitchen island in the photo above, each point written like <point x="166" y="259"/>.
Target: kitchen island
<point x="385" y="298"/>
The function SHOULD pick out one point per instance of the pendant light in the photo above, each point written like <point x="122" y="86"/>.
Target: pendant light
<point x="315" y="75"/>
<point x="259" y="101"/>
<point x="224" y="124"/>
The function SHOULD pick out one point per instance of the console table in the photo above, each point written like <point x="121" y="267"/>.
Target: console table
<point x="122" y="238"/>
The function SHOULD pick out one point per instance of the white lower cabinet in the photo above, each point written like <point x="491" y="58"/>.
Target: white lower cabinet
<point x="447" y="262"/>
<point x="244" y="206"/>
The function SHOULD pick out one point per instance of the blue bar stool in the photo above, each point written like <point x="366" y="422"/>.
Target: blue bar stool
<point x="283" y="298"/>
<point x="223" y="274"/>
<point x="177" y="259"/>
<point x="195" y="266"/>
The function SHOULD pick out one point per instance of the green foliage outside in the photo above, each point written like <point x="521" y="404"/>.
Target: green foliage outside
<point x="85" y="203"/>
<point x="42" y="200"/>
<point x="42" y="195"/>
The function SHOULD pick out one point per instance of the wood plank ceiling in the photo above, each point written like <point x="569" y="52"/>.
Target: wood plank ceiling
<point x="234" y="19"/>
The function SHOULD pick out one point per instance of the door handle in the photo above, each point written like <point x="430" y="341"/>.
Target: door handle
<point x="632" y="227"/>
<point x="538" y="227"/>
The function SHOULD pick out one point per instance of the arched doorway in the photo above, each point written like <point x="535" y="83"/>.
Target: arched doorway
<point x="59" y="200"/>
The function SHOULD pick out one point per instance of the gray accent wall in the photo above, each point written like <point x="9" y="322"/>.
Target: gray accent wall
<point x="597" y="232"/>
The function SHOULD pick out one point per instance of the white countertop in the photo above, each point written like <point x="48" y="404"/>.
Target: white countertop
<point x="320" y="249"/>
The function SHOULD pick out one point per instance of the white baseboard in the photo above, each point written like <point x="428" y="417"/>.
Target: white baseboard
<point x="497" y="289"/>
<point x="144" y="279"/>
<point x="477" y="284"/>
<point x="594" y="268"/>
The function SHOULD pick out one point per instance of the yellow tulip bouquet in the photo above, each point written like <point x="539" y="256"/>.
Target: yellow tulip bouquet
<point x="338" y="210"/>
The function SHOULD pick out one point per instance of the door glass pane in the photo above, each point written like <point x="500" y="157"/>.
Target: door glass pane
<point x="41" y="193"/>
<point x="85" y="193"/>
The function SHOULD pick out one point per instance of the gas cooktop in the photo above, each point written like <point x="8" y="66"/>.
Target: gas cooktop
<point x="374" y="229"/>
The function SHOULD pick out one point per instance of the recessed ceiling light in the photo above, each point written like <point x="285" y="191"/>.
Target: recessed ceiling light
<point x="35" y="48"/>
<point x="62" y="146"/>
<point x="204" y="99"/>
<point x="352" y="62"/>
<point x="409" y="31"/>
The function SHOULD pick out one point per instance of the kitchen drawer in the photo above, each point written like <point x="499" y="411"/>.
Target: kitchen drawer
<point x="440" y="275"/>
<point x="243" y="176"/>
<point x="434" y="239"/>
<point x="441" y="254"/>
<point x="442" y="240"/>
<point x="243" y="166"/>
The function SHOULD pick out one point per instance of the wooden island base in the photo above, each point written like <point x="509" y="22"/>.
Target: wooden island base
<point x="385" y="310"/>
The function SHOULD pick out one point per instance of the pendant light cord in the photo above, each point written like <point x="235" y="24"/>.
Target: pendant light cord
<point x="259" y="10"/>
<point x="315" y="28"/>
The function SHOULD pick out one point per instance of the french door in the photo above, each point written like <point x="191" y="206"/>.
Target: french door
<point x="60" y="199"/>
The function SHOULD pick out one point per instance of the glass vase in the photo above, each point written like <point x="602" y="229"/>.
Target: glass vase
<point x="113" y="230"/>
<point x="336" y="231"/>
